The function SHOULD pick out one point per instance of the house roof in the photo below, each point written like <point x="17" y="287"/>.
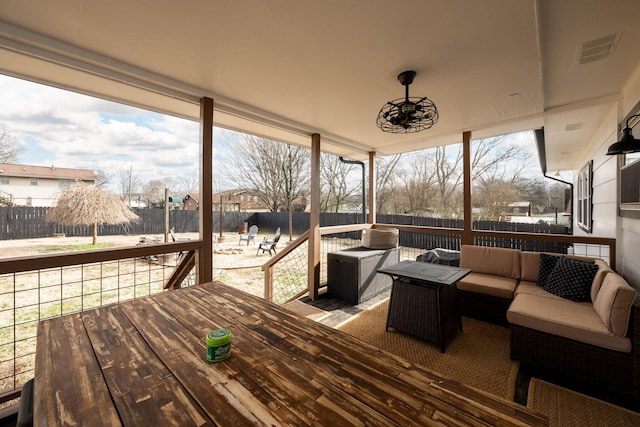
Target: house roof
<point x="290" y="68"/>
<point x="53" y="172"/>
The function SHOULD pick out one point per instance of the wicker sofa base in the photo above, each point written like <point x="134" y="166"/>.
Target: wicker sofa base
<point x="611" y="370"/>
<point x="484" y="307"/>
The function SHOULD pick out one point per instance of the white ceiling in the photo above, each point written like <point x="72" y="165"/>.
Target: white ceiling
<point x="288" y="68"/>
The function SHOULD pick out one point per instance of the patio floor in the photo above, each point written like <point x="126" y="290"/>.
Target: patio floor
<point x="339" y="311"/>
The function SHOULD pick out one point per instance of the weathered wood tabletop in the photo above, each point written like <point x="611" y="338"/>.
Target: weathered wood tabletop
<point x="142" y="363"/>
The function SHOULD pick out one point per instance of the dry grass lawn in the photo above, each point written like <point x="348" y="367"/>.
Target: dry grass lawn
<point x="26" y="298"/>
<point x="233" y="263"/>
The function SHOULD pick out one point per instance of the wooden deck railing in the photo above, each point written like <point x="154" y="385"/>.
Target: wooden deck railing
<point x="38" y="287"/>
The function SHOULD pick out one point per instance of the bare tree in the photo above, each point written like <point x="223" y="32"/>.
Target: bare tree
<point x="448" y="172"/>
<point x="335" y="189"/>
<point x="534" y="190"/>
<point x="103" y="178"/>
<point x="492" y="159"/>
<point x="494" y="195"/>
<point x="257" y="163"/>
<point x="253" y="163"/>
<point x="296" y="177"/>
<point x="559" y="196"/>
<point x="89" y="205"/>
<point x="153" y="190"/>
<point x="191" y="184"/>
<point x="10" y="148"/>
<point x="418" y="183"/>
<point x="129" y="184"/>
<point x="385" y="182"/>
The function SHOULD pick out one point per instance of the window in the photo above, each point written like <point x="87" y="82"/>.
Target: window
<point x="63" y="183"/>
<point x="630" y="175"/>
<point x="585" y="203"/>
<point x="34" y="181"/>
<point x="4" y="180"/>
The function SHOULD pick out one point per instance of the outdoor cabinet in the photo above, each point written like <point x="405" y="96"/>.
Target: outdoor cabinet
<point x="352" y="273"/>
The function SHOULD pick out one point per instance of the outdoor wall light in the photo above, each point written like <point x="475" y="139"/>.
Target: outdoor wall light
<point x="628" y="144"/>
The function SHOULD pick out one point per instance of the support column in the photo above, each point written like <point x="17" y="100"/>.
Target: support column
<point x="372" y="187"/>
<point x="467" y="233"/>
<point x="314" y="219"/>
<point x="204" y="260"/>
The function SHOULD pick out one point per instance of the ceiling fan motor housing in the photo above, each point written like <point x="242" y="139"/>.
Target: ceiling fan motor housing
<point x="406" y="77"/>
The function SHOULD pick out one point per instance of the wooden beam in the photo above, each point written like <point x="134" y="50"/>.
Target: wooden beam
<point x="204" y="260"/>
<point x="372" y="187"/>
<point x="314" y="221"/>
<point x="467" y="235"/>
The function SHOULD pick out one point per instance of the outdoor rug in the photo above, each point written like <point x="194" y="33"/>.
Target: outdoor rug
<point x="478" y="356"/>
<point x="567" y="408"/>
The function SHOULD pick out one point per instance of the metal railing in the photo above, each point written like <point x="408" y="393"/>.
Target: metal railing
<point x="286" y="275"/>
<point x="35" y="288"/>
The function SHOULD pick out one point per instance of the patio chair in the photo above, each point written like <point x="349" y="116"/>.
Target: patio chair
<point x="177" y="239"/>
<point x="253" y="230"/>
<point x="268" y="244"/>
<point x="180" y="254"/>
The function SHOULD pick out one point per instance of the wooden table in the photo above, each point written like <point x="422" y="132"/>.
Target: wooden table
<point x="142" y="362"/>
<point x="424" y="300"/>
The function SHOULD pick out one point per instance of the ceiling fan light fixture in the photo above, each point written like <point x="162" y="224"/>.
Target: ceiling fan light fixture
<point x="627" y="144"/>
<point x="408" y="114"/>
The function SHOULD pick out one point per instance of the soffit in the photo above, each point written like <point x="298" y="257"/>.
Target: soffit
<point x="285" y="69"/>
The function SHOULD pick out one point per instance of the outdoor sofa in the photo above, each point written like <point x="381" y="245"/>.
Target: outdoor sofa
<point x="569" y="315"/>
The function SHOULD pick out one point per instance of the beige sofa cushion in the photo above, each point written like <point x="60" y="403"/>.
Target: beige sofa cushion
<point x="497" y="286"/>
<point x="532" y="288"/>
<point x="613" y="303"/>
<point x="603" y="270"/>
<point x="565" y="318"/>
<point x="530" y="265"/>
<point x="493" y="261"/>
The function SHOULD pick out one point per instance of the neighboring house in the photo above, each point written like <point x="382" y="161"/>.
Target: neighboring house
<point x="176" y="202"/>
<point x="516" y="209"/>
<point x="238" y="200"/>
<point x="26" y="185"/>
<point x="191" y="202"/>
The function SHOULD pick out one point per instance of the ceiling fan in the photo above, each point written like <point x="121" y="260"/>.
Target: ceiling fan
<point x="408" y="114"/>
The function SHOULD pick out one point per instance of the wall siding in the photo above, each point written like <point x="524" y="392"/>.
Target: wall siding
<point x="606" y="222"/>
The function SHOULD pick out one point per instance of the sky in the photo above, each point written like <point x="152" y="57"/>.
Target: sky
<point x="66" y="129"/>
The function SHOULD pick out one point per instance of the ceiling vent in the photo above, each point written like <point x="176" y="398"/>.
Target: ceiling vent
<point x="572" y="126"/>
<point x="597" y="49"/>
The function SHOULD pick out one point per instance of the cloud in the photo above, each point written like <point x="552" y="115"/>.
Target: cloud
<point x="67" y="129"/>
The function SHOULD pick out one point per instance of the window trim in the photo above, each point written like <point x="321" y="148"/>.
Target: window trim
<point x="629" y="209"/>
<point x="584" y="198"/>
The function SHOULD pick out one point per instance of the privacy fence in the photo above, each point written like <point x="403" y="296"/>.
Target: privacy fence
<point x="21" y="222"/>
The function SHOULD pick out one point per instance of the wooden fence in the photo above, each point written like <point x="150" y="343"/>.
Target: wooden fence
<point x="23" y="222"/>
